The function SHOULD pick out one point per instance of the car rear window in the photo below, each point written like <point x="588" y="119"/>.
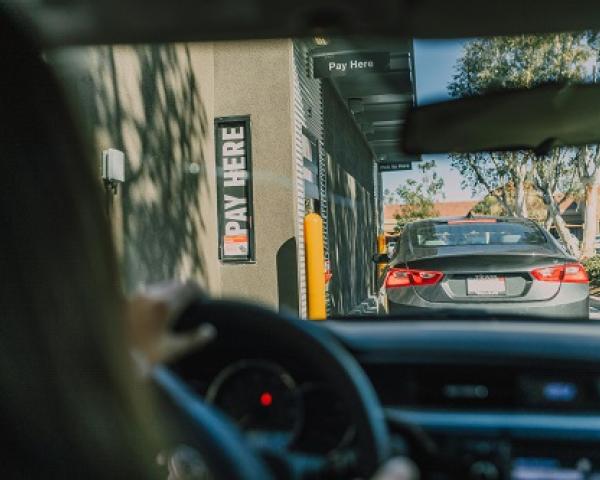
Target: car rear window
<point x="475" y="233"/>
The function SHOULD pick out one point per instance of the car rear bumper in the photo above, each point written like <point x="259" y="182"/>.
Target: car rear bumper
<point x="572" y="303"/>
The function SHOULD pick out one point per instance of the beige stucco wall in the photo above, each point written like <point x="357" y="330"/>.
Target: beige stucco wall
<point x="255" y="78"/>
<point x="156" y="103"/>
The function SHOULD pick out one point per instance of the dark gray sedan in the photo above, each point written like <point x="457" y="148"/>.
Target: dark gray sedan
<point x="501" y="264"/>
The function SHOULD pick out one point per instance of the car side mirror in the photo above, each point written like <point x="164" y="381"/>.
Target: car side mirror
<point x="381" y="258"/>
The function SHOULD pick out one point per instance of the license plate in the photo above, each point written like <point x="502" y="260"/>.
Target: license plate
<point x="486" y="285"/>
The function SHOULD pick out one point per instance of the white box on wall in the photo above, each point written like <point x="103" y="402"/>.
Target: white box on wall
<point x="113" y="165"/>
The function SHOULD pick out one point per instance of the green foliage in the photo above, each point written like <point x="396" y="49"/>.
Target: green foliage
<point x="489" y="206"/>
<point x="492" y="64"/>
<point x="389" y="197"/>
<point x="592" y="265"/>
<point x="522" y="61"/>
<point x="418" y="196"/>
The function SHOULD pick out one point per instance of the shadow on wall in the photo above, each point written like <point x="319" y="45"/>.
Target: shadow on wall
<point x="162" y="133"/>
<point x="351" y="214"/>
<point x="287" y="277"/>
<point x="350" y="246"/>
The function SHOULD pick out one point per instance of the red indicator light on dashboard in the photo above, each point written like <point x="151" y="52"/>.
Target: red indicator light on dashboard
<point x="266" y="399"/>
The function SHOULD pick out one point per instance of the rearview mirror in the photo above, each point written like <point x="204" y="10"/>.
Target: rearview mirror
<point x="381" y="258"/>
<point x="536" y="119"/>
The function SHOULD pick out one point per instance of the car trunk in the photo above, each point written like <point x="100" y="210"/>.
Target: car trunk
<point x="486" y="273"/>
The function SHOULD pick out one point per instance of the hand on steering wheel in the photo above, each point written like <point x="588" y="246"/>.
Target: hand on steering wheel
<point x="227" y="453"/>
<point x="202" y="440"/>
<point x="151" y="315"/>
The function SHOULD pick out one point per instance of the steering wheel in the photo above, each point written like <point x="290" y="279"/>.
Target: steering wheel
<point x="225" y="454"/>
<point x="319" y="351"/>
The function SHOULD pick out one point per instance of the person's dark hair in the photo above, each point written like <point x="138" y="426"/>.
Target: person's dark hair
<point x="68" y="407"/>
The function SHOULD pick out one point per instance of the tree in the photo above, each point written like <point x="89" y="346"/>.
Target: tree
<point x="551" y="179"/>
<point x="588" y="167"/>
<point x="389" y="197"/>
<point x="587" y="163"/>
<point x="536" y="208"/>
<point x="521" y="62"/>
<point x="499" y="175"/>
<point x="489" y="206"/>
<point x="417" y="197"/>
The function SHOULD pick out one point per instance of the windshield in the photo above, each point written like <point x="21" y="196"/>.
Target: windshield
<point x="273" y="171"/>
<point x="459" y="232"/>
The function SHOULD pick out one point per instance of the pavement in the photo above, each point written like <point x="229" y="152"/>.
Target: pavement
<point x="594" y="308"/>
<point x="367" y="307"/>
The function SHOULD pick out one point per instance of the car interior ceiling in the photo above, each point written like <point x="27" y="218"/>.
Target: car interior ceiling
<point x="493" y="399"/>
<point x="115" y="22"/>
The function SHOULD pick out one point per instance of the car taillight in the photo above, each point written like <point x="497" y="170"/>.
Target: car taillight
<point x="549" y="274"/>
<point x="575" y="273"/>
<point x="404" y="277"/>
<point x="569" y="273"/>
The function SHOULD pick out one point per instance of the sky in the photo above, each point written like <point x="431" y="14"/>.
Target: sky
<point x="434" y="68"/>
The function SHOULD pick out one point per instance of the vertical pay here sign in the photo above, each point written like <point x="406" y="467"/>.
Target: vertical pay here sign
<point x="234" y="189"/>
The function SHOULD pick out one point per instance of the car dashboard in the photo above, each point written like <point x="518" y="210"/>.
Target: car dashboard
<point x="472" y="399"/>
<point x="498" y="400"/>
<point x="270" y="395"/>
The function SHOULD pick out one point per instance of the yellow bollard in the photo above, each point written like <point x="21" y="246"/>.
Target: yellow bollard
<point x="381" y="248"/>
<point x="315" y="266"/>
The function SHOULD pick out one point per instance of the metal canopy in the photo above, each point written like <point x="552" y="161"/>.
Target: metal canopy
<point x="378" y="100"/>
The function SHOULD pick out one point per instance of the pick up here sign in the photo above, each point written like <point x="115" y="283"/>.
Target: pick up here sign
<point x="234" y="189"/>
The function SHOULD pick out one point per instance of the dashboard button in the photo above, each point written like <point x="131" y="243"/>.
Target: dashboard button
<point x="484" y="470"/>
